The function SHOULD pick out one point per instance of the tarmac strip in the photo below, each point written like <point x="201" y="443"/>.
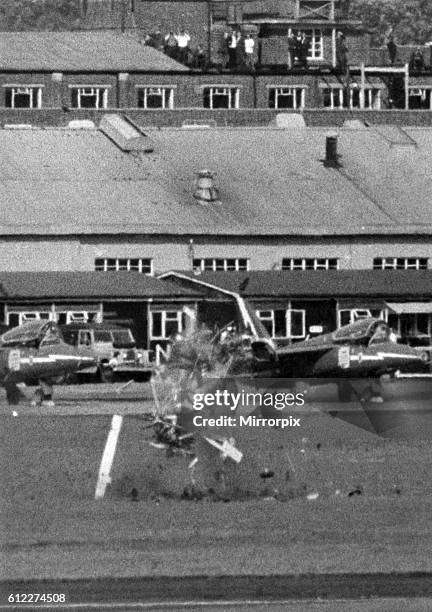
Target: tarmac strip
<point x="170" y="590"/>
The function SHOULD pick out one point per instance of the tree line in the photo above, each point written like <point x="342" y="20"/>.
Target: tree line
<point x="410" y="20"/>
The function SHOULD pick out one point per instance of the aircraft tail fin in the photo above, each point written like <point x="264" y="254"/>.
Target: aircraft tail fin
<point x="251" y="321"/>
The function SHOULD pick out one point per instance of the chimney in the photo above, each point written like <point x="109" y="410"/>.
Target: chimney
<point x="331" y="156"/>
<point x="205" y="190"/>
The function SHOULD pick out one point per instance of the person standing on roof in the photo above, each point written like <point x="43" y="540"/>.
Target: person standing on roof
<point x="392" y="49"/>
<point x="341" y="53"/>
<point x="183" y="40"/>
<point x="232" y="40"/>
<point x="417" y="63"/>
<point x="171" y="45"/>
<point x="304" y="50"/>
<point x="291" y="49"/>
<point x="249" y="45"/>
<point x="157" y="40"/>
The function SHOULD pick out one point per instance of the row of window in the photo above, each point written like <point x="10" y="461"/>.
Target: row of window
<point x="137" y="264"/>
<point x="217" y="97"/>
<point x="280" y="323"/>
<point x="233" y="264"/>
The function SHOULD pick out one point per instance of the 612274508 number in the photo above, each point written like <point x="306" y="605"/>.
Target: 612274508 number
<point x="37" y="598"/>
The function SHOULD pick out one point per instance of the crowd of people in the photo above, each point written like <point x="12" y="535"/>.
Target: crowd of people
<point x="416" y="60"/>
<point x="298" y="49"/>
<point x="178" y="47"/>
<point x="238" y="51"/>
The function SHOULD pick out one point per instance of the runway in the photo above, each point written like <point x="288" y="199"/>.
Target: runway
<point x="315" y="592"/>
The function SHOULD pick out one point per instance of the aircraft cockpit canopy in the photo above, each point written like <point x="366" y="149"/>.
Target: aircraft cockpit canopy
<point x="32" y="334"/>
<point x="364" y="331"/>
<point x="50" y="334"/>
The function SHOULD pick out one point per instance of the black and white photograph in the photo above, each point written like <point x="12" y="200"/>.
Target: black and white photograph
<point x="216" y="305"/>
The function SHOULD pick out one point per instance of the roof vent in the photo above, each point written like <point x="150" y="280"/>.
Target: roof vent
<point x="331" y="156"/>
<point x="290" y="120"/>
<point x="124" y="134"/>
<point x="205" y="190"/>
<point x="199" y="125"/>
<point x="81" y="124"/>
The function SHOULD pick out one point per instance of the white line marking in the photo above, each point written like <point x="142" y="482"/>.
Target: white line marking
<point x="140" y="605"/>
<point x="120" y="389"/>
<point x="104" y="477"/>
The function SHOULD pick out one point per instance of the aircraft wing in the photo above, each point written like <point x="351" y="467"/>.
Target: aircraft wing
<point x="292" y="349"/>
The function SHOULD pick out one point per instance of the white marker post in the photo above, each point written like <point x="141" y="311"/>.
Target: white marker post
<point x="104" y="477"/>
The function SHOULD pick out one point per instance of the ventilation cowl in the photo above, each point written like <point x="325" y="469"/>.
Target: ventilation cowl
<point x="205" y="190"/>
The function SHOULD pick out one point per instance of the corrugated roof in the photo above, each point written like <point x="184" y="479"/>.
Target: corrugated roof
<point x="270" y="181"/>
<point x="420" y="81"/>
<point x="80" y="51"/>
<point x="90" y="285"/>
<point x="320" y="283"/>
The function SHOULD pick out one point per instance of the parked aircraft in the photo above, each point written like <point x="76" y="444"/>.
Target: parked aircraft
<point x="362" y="349"/>
<point x="35" y="353"/>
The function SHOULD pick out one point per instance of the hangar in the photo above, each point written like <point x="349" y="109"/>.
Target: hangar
<point x="125" y="198"/>
<point x="340" y="222"/>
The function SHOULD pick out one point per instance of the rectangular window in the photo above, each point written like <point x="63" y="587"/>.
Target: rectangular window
<point x="316" y="47"/>
<point x="400" y="263"/>
<point x="286" y="97"/>
<point x="372" y="98"/>
<point x="221" y="97"/>
<point x="334" y="97"/>
<point x="284" y="323"/>
<point x="347" y="316"/>
<point x="23" y="97"/>
<point x="221" y="265"/>
<point x="164" y="324"/>
<point x="139" y="264"/>
<point x="155" y="97"/>
<point x="325" y="263"/>
<point x="89" y="97"/>
<point x="420" y="98"/>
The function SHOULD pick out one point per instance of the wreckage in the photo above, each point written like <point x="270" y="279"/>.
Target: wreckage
<point x="231" y="460"/>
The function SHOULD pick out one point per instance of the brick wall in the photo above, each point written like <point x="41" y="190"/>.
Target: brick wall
<point x="55" y="117"/>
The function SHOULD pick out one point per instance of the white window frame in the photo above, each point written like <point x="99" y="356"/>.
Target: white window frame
<point x="413" y="317"/>
<point x="165" y="91"/>
<point x="232" y="92"/>
<point x="100" y="91"/>
<point x="288" y="91"/>
<point x="118" y="264"/>
<point x="288" y="322"/>
<point x="166" y="315"/>
<point x="220" y="264"/>
<point x="301" y="263"/>
<point x="372" y="98"/>
<point x="400" y="263"/>
<point x="355" y="314"/>
<point x="33" y="315"/>
<point x="34" y="91"/>
<point x="419" y="92"/>
<point x="336" y="97"/>
<point x="316" y="44"/>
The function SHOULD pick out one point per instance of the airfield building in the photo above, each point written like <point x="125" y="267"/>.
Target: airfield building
<point x="302" y="176"/>
<point x="338" y="224"/>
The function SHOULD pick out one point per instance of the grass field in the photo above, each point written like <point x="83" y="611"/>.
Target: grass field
<point x="52" y="526"/>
